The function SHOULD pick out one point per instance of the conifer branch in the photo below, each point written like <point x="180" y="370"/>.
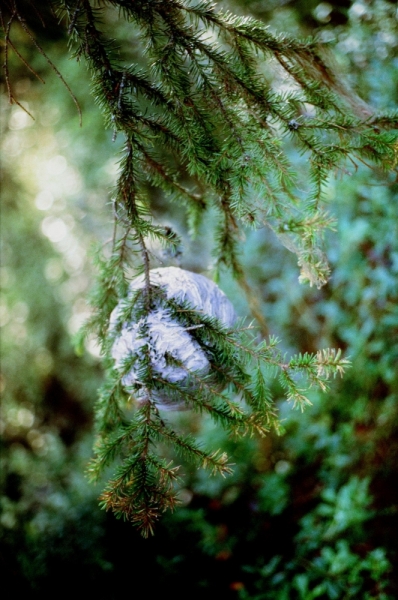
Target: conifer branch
<point x="202" y="112"/>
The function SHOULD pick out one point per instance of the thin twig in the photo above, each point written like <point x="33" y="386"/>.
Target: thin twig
<point x="5" y="63"/>
<point x="38" y="13"/>
<point x="27" y="65"/>
<point x="52" y="65"/>
<point x="145" y="256"/>
<point x="74" y="18"/>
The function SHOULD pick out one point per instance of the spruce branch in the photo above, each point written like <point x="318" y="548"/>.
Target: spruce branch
<point x="144" y="485"/>
<point x="204" y="120"/>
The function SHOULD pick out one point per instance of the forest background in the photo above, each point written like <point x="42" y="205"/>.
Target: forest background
<point x="310" y="514"/>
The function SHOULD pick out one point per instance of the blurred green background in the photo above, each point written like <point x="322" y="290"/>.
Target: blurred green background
<point x="311" y="514"/>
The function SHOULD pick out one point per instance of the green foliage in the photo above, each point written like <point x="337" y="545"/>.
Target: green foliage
<point x="204" y="122"/>
<point x="143" y="485"/>
<point x="325" y="566"/>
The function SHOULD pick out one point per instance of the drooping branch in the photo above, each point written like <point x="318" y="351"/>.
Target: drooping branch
<point x="204" y="121"/>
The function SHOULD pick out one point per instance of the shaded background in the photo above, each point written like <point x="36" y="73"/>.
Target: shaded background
<point x="312" y="514"/>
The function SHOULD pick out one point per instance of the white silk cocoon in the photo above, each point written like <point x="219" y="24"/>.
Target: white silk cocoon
<point x="164" y="335"/>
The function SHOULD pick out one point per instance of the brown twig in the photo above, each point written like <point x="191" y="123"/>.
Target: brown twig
<point x="27" y="65"/>
<point x="50" y="62"/>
